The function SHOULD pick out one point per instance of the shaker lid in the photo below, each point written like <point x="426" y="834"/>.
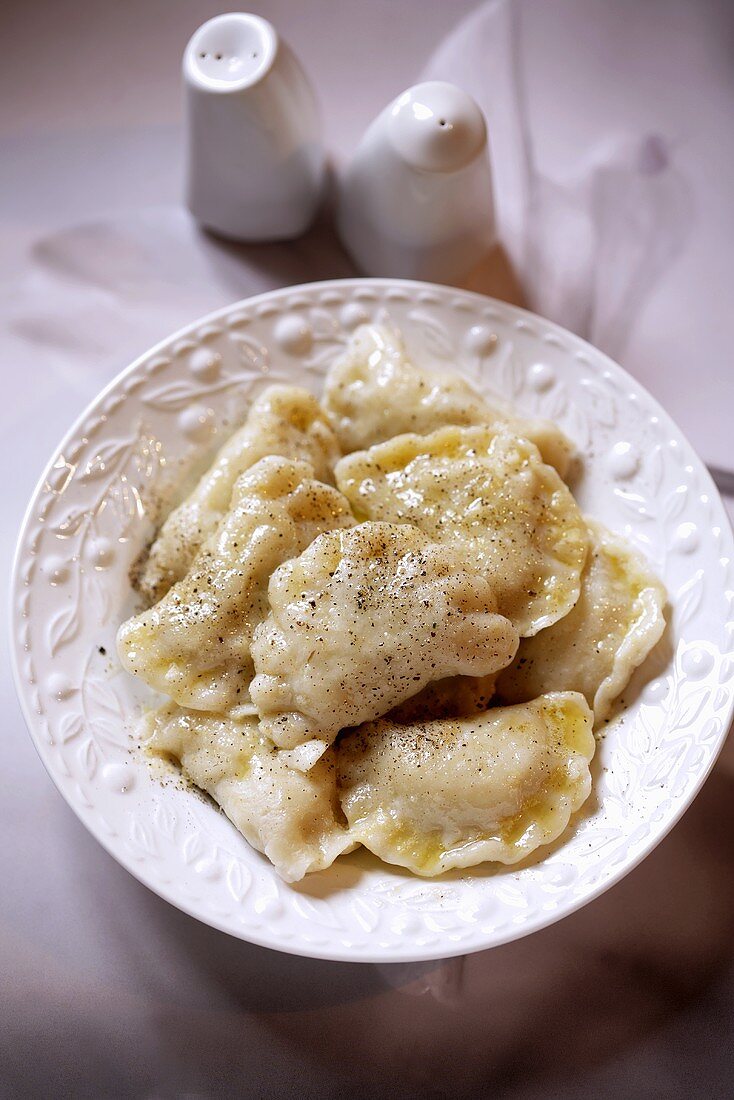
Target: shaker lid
<point x="436" y="127"/>
<point x="230" y="52"/>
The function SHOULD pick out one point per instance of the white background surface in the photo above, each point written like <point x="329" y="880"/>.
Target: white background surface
<point x="106" y="990"/>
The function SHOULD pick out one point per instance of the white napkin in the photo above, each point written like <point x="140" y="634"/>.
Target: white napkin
<point x="613" y="153"/>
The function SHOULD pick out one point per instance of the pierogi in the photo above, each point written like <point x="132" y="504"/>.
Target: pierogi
<point x="285" y="421"/>
<point x="490" y="494"/>
<point x="292" y="816"/>
<point x="616" y="621"/>
<point x="454" y="697"/>
<point x="374" y="392"/>
<point x="362" y="620"/>
<point x="194" y="644"/>
<point x="453" y="793"/>
<point x="412" y="660"/>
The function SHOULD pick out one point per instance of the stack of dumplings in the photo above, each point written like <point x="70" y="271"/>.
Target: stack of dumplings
<point x="382" y="620"/>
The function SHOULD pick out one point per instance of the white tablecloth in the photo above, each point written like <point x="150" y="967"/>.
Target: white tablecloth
<point x="107" y="990"/>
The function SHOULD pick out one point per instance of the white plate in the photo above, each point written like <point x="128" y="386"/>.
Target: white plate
<point x="89" y="519"/>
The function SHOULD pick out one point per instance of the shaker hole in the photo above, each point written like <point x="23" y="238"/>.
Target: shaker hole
<point x="217" y="57"/>
<point x="202" y="55"/>
<point x="255" y="54"/>
<point x="442" y="122"/>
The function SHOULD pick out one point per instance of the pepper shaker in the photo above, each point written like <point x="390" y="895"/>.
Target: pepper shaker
<point x="416" y="200"/>
<point x="255" y="162"/>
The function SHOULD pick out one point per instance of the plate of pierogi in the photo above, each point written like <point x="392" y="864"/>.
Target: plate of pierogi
<point x="374" y="620"/>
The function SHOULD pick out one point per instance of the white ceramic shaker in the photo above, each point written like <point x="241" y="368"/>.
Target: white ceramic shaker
<point x="255" y="161"/>
<point x="416" y="201"/>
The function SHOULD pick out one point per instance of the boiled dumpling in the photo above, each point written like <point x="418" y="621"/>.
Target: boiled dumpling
<point x="294" y="818"/>
<point x="445" y="794"/>
<point x="453" y="697"/>
<point x="598" y="645"/>
<point x="362" y="620"/>
<point x="490" y="494"/>
<point x="284" y="420"/>
<point x="194" y="645"/>
<point x="373" y="392"/>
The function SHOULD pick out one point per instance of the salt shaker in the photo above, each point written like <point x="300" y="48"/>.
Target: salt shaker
<point x="255" y="162"/>
<point x="416" y="200"/>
